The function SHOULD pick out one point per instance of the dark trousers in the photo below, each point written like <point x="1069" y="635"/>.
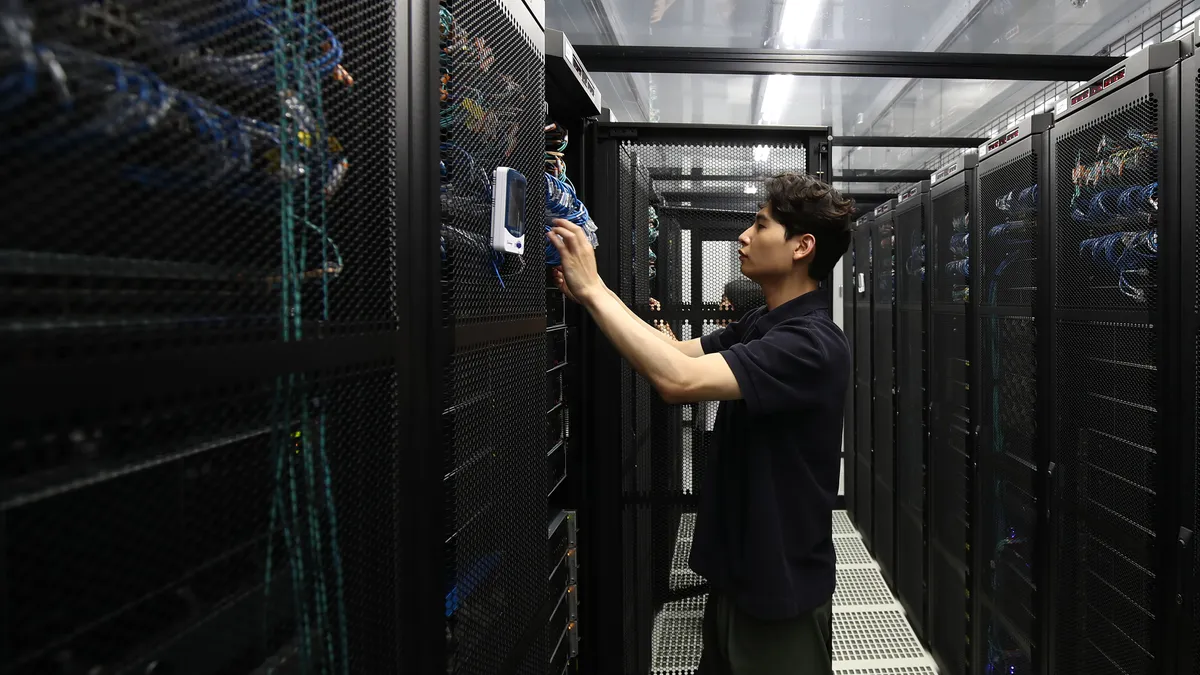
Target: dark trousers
<point x="736" y="643"/>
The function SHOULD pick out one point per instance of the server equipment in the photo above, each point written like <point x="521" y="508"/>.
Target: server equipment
<point x="883" y="387"/>
<point x="1113" y="318"/>
<point x="849" y="432"/>
<point x="1188" y="374"/>
<point x="948" y="264"/>
<point x="863" y="379"/>
<point x="1007" y="242"/>
<point x="912" y="213"/>
<point x="209" y="467"/>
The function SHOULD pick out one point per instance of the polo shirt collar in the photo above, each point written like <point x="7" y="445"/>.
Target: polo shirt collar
<point x="794" y="308"/>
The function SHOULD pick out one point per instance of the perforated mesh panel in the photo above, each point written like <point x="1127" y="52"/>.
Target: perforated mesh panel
<point x="144" y="170"/>
<point x="1106" y="453"/>
<point x="950" y="489"/>
<point x="135" y="224"/>
<point x="883" y="239"/>
<point x="1107" y="439"/>
<point x="1008" y="238"/>
<point x="910" y="406"/>
<point x="864" y="384"/>
<point x="1107" y="211"/>
<point x="849" y="428"/>
<point x="492" y="61"/>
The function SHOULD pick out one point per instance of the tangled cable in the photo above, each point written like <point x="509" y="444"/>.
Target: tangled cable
<point x="1018" y="201"/>
<point x="561" y="202"/>
<point x="1125" y="253"/>
<point x="1118" y="203"/>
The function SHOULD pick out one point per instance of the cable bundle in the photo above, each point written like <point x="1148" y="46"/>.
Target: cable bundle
<point x="1124" y="253"/>
<point x="1022" y="201"/>
<point x="1119" y="203"/>
<point x="561" y="200"/>
<point x="959" y="267"/>
<point x="960" y="244"/>
<point x="916" y="260"/>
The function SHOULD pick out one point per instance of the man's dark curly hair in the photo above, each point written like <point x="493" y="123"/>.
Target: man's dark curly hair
<point x="805" y="205"/>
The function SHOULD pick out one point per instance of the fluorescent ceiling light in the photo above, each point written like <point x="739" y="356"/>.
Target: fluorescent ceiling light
<point x="750" y="189"/>
<point x="762" y="153"/>
<point x="797" y="21"/>
<point x="775" y="97"/>
<point x="685" y="185"/>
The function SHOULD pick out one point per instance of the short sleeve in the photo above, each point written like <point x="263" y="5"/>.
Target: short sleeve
<point x="795" y="365"/>
<point x="724" y="338"/>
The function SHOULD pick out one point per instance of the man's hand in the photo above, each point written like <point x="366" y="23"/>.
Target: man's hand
<point x="581" y="280"/>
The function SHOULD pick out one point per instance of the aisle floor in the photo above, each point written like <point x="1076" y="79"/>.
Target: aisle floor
<point x="871" y="635"/>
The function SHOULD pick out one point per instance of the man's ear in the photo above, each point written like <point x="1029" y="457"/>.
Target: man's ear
<point x="805" y="245"/>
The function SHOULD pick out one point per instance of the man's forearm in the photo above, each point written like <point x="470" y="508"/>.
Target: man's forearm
<point x="654" y="357"/>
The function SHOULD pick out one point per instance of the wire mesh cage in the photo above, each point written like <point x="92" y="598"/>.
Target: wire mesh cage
<point x="193" y="184"/>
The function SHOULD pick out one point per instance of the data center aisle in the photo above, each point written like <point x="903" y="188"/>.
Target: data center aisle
<point x="871" y="635"/>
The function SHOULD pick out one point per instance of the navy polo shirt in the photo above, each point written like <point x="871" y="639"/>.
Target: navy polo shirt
<point x="764" y="530"/>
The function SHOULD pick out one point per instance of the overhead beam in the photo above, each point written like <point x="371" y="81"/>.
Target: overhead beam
<point x="880" y="176"/>
<point x="908" y="141"/>
<point x="732" y="61"/>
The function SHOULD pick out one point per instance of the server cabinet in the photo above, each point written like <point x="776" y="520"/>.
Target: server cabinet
<point x="912" y="213"/>
<point x="1187" y="638"/>
<point x="1007" y="242"/>
<point x="1114" y="163"/>
<point x="948" y="264"/>
<point x="863" y="364"/>
<point x="849" y="450"/>
<point x="883" y="386"/>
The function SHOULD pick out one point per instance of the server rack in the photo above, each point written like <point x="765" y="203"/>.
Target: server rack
<point x="1188" y="468"/>
<point x="883" y="387"/>
<point x="950" y="417"/>
<point x="863" y="387"/>
<point x="1113" y="319"/>
<point x="1008" y="395"/>
<point x="912" y="291"/>
<point x="220" y="459"/>
<point x="849" y="437"/>
<point x="628" y="538"/>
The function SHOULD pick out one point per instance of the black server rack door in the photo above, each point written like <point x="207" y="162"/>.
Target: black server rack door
<point x="1009" y="237"/>
<point x="864" y="416"/>
<point x="849" y="458"/>
<point x="883" y="348"/>
<point x="696" y="257"/>
<point x="200" y="289"/>
<point x="950" y="425"/>
<point x="1189" y="385"/>
<point x="1107" y="380"/>
<point x="910" y="410"/>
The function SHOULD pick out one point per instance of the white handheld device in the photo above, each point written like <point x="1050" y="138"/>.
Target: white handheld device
<point x="508" y="211"/>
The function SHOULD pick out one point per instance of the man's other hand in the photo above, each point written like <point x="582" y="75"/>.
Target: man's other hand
<point x="582" y="281"/>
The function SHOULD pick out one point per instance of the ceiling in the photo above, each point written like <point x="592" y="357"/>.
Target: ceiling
<point x="851" y="106"/>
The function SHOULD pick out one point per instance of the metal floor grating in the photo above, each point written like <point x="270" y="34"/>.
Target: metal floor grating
<point x="861" y="587"/>
<point x="870" y="634"/>
<point x="851" y="552"/>
<point x="842" y="526"/>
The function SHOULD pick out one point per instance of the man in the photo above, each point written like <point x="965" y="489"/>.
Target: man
<point x="764" y="529"/>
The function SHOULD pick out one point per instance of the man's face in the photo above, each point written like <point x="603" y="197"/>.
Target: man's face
<point x="765" y="250"/>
